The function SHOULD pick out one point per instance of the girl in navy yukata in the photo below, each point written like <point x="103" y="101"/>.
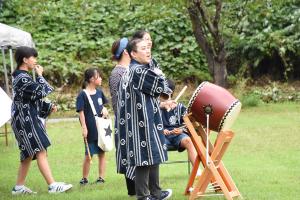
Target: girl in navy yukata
<point x="140" y="128"/>
<point x="121" y="56"/>
<point x="27" y="110"/>
<point x="92" y="79"/>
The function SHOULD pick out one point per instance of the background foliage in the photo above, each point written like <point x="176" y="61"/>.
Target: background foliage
<point x="262" y="37"/>
<point x="72" y="35"/>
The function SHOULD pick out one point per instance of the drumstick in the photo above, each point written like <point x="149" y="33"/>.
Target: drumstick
<point x="179" y="95"/>
<point x="88" y="150"/>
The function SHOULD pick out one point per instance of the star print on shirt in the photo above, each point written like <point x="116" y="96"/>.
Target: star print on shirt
<point x="108" y="131"/>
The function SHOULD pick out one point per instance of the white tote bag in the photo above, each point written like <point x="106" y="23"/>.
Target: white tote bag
<point x="104" y="128"/>
<point x="105" y="140"/>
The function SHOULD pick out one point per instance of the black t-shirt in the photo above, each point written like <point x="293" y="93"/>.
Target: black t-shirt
<point x="82" y="104"/>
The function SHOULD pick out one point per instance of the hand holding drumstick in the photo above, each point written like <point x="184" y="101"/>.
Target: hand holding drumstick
<point x="178" y="96"/>
<point x="88" y="149"/>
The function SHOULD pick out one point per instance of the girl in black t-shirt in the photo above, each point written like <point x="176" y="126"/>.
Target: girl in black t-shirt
<point x="92" y="79"/>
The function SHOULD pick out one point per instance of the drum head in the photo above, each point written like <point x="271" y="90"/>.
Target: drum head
<point x="223" y="105"/>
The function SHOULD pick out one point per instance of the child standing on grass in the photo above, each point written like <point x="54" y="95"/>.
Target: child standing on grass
<point x="92" y="79"/>
<point x="27" y="110"/>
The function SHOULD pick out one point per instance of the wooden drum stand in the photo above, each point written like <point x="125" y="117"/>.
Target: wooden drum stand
<point x="214" y="170"/>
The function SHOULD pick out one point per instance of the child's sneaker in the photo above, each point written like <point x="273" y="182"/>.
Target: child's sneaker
<point x="83" y="181"/>
<point x="99" y="180"/>
<point x="18" y="190"/>
<point x="59" y="187"/>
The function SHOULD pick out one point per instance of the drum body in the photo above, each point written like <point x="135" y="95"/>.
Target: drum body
<point x="224" y="106"/>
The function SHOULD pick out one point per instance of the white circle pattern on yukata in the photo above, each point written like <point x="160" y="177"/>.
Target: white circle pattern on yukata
<point x="21" y="132"/>
<point x="124" y="85"/>
<point x="145" y="163"/>
<point x="159" y="90"/>
<point x="128" y="115"/>
<point x="124" y="162"/>
<point x="160" y="126"/>
<point x="122" y="121"/>
<point x="139" y="105"/>
<point x="131" y="154"/>
<point x="130" y="134"/>
<point x="122" y="141"/>
<point x="141" y="124"/>
<point x="143" y="143"/>
<point x="24" y="80"/>
<point x="138" y="70"/>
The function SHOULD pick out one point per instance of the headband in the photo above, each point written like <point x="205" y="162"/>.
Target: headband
<point x="122" y="47"/>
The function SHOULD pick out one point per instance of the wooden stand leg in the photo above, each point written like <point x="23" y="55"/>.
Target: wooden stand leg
<point x="214" y="170"/>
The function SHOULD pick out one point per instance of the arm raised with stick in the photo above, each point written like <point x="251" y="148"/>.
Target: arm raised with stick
<point x="178" y="96"/>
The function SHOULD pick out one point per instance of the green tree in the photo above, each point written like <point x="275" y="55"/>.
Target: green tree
<point x="206" y="28"/>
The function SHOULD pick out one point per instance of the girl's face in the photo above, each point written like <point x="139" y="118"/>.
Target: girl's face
<point x="148" y="39"/>
<point x="96" y="80"/>
<point x="30" y="62"/>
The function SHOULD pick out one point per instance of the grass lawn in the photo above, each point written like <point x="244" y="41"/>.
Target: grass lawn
<point x="263" y="160"/>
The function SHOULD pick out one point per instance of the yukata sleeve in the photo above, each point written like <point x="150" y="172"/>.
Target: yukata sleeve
<point x="45" y="108"/>
<point x="147" y="81"/>
<point x="34" y="90"/>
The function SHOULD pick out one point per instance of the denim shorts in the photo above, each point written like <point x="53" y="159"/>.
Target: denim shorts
<point x="175" y="140"/>
<point x="94" y="148"/>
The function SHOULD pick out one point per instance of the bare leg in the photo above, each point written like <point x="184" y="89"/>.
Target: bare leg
<point x="23" y="171"/>
<point x="86" y="167"/>
<point x="44" y="167"/>
<point x="101" y="164"/>
<point x="188" y="144"/>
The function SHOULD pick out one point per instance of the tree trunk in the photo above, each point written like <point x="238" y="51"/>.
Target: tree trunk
<point x="212" y="45"/>
<point x="220" y="74"/>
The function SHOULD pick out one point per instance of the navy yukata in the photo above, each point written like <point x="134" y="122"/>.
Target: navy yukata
<point x="140" y="127"/>
<point x="174" y="119"/>
<point x="27" y="109"/>
<point x="114" y="81"/>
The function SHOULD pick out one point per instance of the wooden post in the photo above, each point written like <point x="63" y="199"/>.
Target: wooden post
<point x="215" y="171"/>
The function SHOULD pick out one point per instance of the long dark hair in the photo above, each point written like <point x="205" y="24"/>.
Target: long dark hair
<point x="114" y="49"/>
<point x="24" y="52"/>
<point x="88" y="74"/>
